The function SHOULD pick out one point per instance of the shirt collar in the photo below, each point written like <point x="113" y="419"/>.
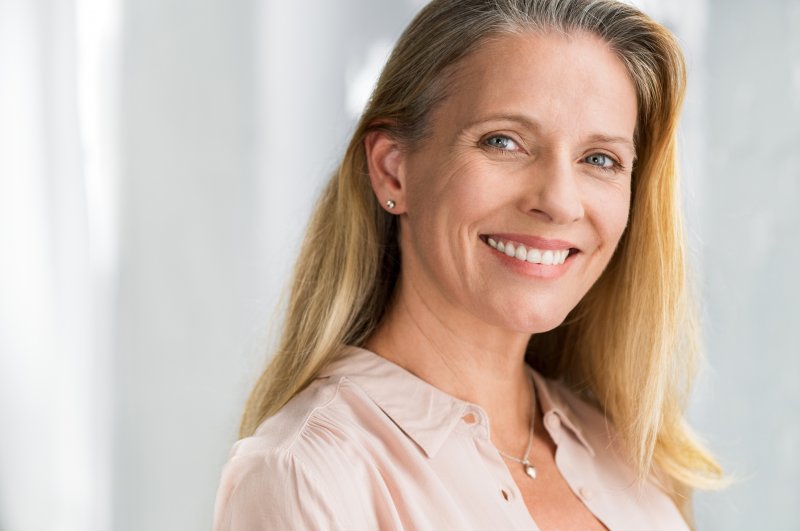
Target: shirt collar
<point x="551" y="396"/>
<point x="425" y="413"/>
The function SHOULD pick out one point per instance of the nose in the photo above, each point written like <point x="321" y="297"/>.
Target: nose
<point x="554" y="193"/>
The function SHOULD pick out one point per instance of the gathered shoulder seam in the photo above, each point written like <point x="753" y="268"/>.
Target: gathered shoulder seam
<point x="308" y="416"/>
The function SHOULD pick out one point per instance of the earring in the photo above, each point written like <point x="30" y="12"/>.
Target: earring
<point x="390" y="204"/>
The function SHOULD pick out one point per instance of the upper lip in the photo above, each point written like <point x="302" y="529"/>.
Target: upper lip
<point x="534" y="242"/>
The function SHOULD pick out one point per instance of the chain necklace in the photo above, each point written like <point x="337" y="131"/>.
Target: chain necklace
<point x="530" y="470"/>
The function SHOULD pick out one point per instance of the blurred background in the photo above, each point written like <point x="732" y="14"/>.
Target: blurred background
<point x="158" y="163"/>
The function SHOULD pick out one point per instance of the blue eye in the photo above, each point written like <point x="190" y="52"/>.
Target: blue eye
<point x="501" y="142"/>
<point x="601" y="161"/>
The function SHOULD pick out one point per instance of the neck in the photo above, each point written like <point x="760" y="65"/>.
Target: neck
<point x="464" y="357"/>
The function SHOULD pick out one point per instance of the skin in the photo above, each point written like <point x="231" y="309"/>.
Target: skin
<point x="535" y="137"/>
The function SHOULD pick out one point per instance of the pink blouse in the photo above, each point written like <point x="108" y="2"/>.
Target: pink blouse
<point x="368" y="445"/>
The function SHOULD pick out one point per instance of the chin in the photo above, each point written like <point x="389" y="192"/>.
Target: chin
<point x="541" y="327"/>
<point x="537" y="321"/>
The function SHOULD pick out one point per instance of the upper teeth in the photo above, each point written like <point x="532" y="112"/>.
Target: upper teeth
<point x="534" y="256"/>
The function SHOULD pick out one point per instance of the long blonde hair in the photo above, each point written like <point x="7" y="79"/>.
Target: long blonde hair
<point x="630" y="346"/>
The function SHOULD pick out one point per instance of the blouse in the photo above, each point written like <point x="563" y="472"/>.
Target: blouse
<point x="370" y="446"/>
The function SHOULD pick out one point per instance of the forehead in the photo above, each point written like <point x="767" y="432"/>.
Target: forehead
<point x="564" y="83"/>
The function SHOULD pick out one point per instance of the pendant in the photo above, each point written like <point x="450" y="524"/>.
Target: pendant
<point x="529" y="469"/>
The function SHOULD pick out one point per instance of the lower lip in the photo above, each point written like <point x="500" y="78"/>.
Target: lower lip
<point x="529" y="269"/>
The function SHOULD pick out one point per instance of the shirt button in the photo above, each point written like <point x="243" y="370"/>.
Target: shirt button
<point x="469" y="418"/>
<point x="553" y="422"/>
<point x="585" y="493"/>
<point x="507" y="494"/>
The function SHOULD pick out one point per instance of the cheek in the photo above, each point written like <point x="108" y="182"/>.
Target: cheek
<point x="610" y="210"/>
<point x="446" y="208"/>
<point x="618" y="223"/>
<point x="452" y="191"/>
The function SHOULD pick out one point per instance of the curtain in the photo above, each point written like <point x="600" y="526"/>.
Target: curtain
<point x="54" y="272"/>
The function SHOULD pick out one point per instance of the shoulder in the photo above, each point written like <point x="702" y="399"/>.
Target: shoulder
<point x="328" y="420"/>
<point x="291" y="473"/>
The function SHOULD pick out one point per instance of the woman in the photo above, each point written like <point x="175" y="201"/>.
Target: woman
<point x="489" y="324"/>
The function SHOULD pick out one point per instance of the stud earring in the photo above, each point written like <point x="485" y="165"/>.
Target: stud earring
<point x="390" y="204"/>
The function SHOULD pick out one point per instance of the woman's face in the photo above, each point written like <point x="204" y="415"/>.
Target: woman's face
<point x="516" y="201"/>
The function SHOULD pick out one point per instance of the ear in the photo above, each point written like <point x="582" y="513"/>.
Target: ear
<point x="385" y="160"/>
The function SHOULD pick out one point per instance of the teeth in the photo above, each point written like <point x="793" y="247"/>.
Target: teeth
<point x="534" y="256"/>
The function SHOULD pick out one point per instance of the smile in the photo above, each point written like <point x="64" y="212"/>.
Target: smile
<point x="548" y="257"/>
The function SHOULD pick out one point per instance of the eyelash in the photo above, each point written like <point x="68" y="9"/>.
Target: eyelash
<point x="615" y="167"/>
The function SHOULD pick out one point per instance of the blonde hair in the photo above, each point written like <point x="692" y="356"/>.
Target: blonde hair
<point x="630" y="346"/>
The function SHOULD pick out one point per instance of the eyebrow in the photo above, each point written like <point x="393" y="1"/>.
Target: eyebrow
<point x="519" y="118"/>
<point x="606" y="139"/>
<point x="534" y="125"/>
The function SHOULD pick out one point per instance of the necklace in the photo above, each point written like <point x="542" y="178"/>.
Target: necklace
<point x="530" y="470"/>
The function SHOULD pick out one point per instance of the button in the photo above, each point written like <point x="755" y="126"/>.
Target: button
<point x="469" y="418"/>
<point x="553" y="422"/>
<point x="507" y="494"/>
<point x="585" y="493"/>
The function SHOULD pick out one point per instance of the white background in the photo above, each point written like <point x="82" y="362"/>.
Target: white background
<point x="158" y="162"/>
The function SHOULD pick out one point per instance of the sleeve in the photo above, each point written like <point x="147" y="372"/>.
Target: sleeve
<point x="274" y="491"/>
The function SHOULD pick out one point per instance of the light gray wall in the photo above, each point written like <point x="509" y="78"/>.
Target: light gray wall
<point x="750" y="408"/>
<point x="187" y="202"/>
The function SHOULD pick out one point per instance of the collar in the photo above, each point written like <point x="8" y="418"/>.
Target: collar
<point x="553" y="396"/>
<point x="423" y="412"/>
